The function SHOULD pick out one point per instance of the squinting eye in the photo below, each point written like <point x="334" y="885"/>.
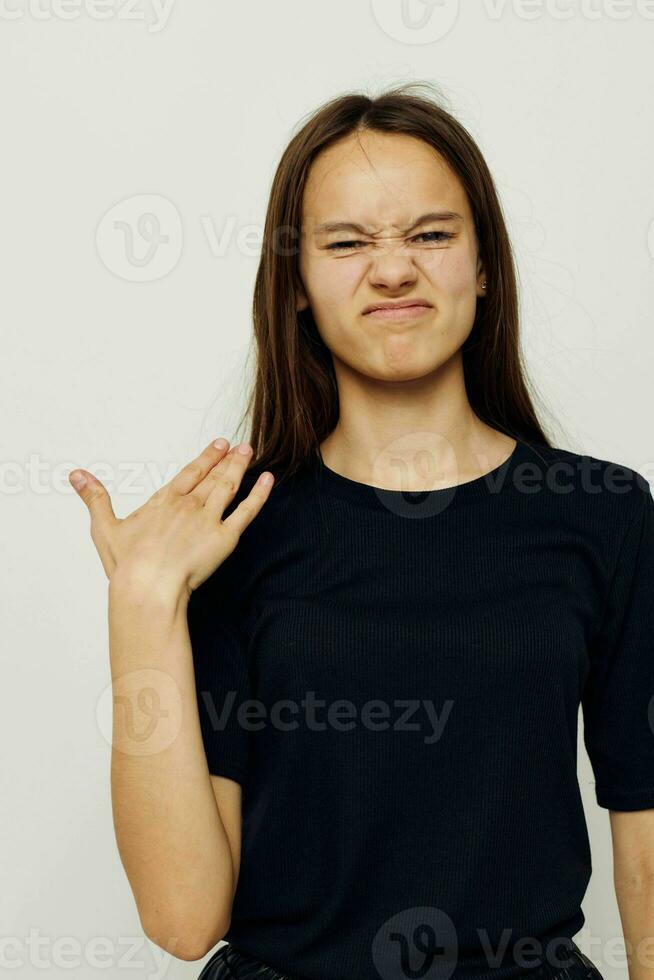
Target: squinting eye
<point x="338" y="245"/>
<point x="440" y="236"/>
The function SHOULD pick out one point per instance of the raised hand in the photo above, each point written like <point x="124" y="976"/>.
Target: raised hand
<point x="178" y="537"/>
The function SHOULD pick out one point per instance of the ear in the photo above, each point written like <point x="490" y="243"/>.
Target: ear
<point x="481" y="277"/>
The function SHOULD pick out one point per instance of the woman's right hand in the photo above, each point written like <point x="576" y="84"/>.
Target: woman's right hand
<point x="177" y="538"/>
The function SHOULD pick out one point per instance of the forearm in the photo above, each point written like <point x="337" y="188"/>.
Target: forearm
<point x="635" y="895"/>
<point x="170" y="836"/>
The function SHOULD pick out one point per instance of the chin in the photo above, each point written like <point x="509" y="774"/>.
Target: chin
<point x="404" y="370"/>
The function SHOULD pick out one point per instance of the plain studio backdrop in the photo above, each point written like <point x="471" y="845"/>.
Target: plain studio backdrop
<point x="139" y="142"/>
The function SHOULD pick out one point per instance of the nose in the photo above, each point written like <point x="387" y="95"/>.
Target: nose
<point x="392" y="268"/>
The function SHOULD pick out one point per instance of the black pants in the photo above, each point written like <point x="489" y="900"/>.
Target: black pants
<point x="229" y="963"/>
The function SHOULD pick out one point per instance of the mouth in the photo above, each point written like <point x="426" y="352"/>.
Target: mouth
<point x="409" y="312"/>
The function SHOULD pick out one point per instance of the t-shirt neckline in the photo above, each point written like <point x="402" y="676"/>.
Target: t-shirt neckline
<point x="420" y="502"/>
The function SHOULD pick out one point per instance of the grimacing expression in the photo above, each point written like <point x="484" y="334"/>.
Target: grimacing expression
<point x="381" y="184"/>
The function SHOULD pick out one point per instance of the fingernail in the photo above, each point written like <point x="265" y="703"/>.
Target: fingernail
<point x="78" y="479"/>
<point x="220" y="443"/>
<point x="244" y="448"/>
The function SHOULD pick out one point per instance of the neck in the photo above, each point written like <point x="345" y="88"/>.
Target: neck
<point x="411" y="435"/>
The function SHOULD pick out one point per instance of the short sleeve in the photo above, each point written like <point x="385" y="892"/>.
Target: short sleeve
<point x="618" y="697"/>
<point x="221" y="679"/>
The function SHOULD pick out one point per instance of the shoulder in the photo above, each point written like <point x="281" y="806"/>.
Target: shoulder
<point x="605" y="493"/>
<point x="285" y="507"/>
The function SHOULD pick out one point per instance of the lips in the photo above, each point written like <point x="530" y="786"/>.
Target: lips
<point x="399" y="305"/>
<point x="405" y="313"/>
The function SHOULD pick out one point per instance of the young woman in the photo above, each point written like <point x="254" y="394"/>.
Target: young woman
<point x="368" y="674"/>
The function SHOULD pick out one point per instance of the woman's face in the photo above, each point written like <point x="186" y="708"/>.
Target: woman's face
<point x="384" y="183"/>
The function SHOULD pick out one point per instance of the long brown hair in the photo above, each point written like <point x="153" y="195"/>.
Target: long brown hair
<point x="293" y="403"/>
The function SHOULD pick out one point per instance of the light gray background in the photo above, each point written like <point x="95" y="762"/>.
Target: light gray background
<point x="128" y="363"/>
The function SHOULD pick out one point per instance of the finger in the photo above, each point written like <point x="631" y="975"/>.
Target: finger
<point x="250" y="506"/>
<point x="195" y="471"/>
<point x="205" y="487"/>
<point x="225" y="479"/>
<point x="94" y="495"/>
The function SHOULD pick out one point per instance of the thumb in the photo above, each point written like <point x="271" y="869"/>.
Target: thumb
<point x="94" y="494"/>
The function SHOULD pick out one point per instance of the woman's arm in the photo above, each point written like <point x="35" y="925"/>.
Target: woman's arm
<point x="633" y="874"/>
<point x="179" y="843"/>
<point x="172" y="838"/>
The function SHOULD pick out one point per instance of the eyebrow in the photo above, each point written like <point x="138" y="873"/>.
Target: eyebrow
<point x="330" y="226"/>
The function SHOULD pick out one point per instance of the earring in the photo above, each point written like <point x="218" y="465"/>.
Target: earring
<point x="483" y="285"/>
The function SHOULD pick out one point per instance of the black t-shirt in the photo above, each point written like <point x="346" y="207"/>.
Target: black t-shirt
<point x="414" y="665"/>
